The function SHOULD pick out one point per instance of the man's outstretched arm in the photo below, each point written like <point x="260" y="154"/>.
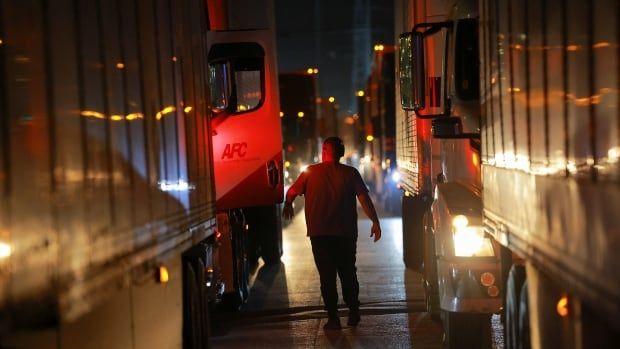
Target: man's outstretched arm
<point x="288" y="212"/>
<point x="369" y="210"/>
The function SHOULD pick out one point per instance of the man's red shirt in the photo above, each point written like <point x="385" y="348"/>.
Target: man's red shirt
<point x="330" y="191"/>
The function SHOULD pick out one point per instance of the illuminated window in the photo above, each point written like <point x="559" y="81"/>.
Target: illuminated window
<point x="248" y="86"/>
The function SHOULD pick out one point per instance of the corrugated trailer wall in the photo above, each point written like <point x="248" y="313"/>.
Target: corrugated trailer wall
<point x="105" y="160"/>
<point x="550" y="138"/>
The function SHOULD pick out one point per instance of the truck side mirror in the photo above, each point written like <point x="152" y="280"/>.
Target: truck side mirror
<point x="411" y="71"/>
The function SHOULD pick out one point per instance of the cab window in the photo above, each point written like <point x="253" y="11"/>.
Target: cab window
<point x="236" y="77"/>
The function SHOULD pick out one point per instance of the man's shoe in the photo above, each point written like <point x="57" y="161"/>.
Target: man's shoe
<point x="354" y="317"/>
<point x="333" y="323"/>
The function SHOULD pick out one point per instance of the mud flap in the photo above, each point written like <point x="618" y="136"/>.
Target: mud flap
<point x="413" y="210"/>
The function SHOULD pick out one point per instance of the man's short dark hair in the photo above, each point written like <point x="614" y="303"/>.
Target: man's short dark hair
<point x="336" y="144"/>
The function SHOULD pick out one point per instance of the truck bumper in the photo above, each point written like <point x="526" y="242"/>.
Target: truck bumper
<point x="461" y="289"/>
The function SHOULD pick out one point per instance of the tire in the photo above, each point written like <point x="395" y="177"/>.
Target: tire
<point x="524" y="318"/>
<point x="196" y="321"/>
<point x="516" y="279"/>
<point x="466" y="330"/>
<point x="233" y="301"/>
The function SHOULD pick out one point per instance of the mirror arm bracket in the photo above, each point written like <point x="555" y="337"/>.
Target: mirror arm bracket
<point x="461" y="136"/>
<point x="433" y="27"/>
<point x="446" y="113"/>
<point x="429" y="116"/>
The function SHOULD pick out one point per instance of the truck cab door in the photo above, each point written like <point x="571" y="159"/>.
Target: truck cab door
<point x="247" y="138"/>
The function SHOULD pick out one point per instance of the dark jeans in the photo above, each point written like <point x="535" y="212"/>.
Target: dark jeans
<point x="336" y="255"/>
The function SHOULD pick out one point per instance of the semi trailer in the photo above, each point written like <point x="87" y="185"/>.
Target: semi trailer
<point x="125" y="161"/>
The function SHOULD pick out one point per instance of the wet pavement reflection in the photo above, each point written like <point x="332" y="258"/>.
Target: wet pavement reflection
<point x="285" y="308"/>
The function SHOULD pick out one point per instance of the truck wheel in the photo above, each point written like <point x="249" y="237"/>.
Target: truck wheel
<point x="466" y="330"/>
<point x="265" y="225"/>
<point x="241" y="268"/>
<point x="196" y="324"/>
<point x="524" y="318"/>
<point x="516" y="278"/>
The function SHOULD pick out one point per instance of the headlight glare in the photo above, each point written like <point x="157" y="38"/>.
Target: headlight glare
<point x="470" y="242"/>
<point x="459" y="221"/>
<point x="395" y="176"/>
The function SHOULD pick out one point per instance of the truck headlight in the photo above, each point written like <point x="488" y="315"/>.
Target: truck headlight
<point x="470" y="241"/>
<point x="5" y="250"/>
<point x="395" y="176"/>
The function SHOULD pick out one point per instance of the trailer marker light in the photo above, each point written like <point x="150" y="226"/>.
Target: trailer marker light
<point x="281" y="114"/>
<point x="162" y="274"/>
<point x="5" y="250"/>
<point x="475" y="160"/>
<point x="601" y="44"/>
<point x="120" y="65"/>
<point x="562" y="306"/>
<point x="493" y="291"/>
<point x="487" y="279"/>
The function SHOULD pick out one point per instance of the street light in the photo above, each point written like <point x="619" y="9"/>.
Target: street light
<point x="331" y="99"/>
<point x="300" y="114"/>
<point x="360" y="93"/>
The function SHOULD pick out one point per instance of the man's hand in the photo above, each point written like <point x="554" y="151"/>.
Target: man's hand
<point x="288" y="212"/>
<point x="375" y="231"/>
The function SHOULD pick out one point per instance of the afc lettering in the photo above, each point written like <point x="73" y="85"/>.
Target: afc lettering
<point x="235" y="148"/>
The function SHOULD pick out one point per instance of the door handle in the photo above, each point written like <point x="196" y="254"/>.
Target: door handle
<point x="273" y="174"/>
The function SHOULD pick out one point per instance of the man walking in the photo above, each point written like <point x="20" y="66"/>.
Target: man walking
<point x="330" y="189"/>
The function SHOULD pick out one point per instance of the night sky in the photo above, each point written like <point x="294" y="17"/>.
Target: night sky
<point x="331" y="48"/>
